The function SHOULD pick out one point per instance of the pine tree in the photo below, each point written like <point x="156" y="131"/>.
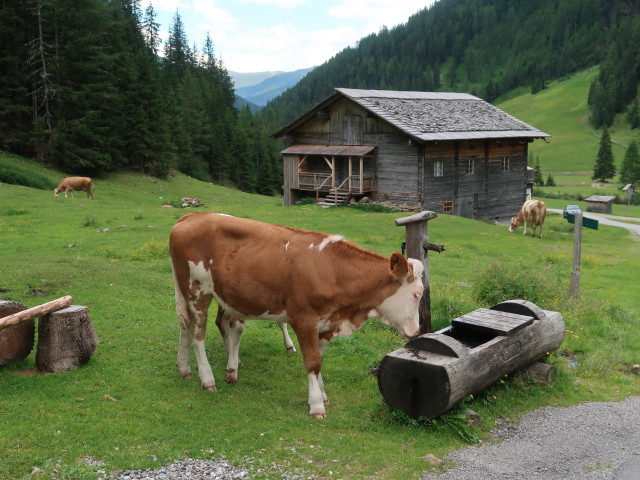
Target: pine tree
<point x="630" y="172"/>
<point x="537" y="175"/>
<point x="604" y="167"/>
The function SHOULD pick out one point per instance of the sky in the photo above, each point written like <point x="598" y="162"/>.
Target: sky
<point x="281" y="35"/>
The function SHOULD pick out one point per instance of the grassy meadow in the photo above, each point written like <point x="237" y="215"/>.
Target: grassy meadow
<point x="128" y="408"/>
<point x="561" y="111"/>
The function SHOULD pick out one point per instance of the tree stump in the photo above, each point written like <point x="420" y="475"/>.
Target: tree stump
<point x="16" y="341"/>
<point x="66" y="339"/>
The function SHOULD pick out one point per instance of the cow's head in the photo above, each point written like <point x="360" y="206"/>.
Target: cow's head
<point x="514" y="224"/>
<point x="56" y="192"/>
<point x="401" y="309"/>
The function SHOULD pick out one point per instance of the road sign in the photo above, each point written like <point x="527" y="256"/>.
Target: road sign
<point x="591" y="223"/>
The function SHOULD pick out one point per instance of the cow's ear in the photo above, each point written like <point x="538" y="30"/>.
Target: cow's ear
<point x="398" y="265"/>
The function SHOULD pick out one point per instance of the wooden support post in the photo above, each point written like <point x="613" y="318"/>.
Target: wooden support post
<point x="416" y="241"/>
<point x="16" y="341"/>
<point x="574" y="285"/>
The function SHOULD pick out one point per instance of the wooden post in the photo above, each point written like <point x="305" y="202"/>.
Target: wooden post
<point x="574" y="285"/>
<point x="417" y="245"/>
<point x="16" y="341"/>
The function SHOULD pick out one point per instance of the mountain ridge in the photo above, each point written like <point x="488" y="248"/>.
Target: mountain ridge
<point x="258" y="88"/>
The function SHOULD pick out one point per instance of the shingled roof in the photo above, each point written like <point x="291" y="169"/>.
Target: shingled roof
<point x="431" y="116"/>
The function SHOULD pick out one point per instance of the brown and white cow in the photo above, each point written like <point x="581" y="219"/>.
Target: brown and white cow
<point x="319" y="284"/>
<point x="69" y="184"/>
<point x="531" y="213"/>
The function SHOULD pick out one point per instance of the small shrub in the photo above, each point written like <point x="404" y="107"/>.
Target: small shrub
<point x="306" y="201"/>
<point x="90" y="222"/>
<point x="502" y="282"/>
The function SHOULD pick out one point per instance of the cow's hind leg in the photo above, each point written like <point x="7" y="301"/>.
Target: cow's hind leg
<point x="288" y="343"/>
<point x="193" y="329"/>
<point x="231" y="329"/>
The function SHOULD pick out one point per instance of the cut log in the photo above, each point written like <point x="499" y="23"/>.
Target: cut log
<point x="16" y="341"/>
<point x="540" y="372"/>
<point x="66" y="339"/>
<point x="31" y="313"/>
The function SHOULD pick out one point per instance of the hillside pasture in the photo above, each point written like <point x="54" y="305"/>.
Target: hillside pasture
<point x="129" y="409"/>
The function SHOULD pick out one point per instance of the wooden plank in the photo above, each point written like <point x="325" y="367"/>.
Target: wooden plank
<point x="34" y="312"/>
<point x="492" y="321"/>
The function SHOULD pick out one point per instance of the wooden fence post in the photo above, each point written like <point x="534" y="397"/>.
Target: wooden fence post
<point x="417" y="243"/>
<point x="574" y="284"/>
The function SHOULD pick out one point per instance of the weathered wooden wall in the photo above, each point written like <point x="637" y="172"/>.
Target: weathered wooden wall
<point x="489" y="193"/>
<point x="404" y="169"/>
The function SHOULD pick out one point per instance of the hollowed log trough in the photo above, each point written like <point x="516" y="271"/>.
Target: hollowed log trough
<point x="435" y="371"/>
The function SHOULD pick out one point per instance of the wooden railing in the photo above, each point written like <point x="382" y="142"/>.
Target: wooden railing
<point x="322" y="181"/>
<point x="315" y="181"/>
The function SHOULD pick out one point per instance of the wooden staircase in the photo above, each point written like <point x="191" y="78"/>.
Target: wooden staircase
<point x="334" y="198"/>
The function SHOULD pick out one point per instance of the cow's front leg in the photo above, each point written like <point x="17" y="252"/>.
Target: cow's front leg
<point x="307" y="333"/>
<point x="231" y="329"/>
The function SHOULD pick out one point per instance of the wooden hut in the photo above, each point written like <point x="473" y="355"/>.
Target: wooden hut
<point x="599" y="203"/>
<point x="444" y="152"/>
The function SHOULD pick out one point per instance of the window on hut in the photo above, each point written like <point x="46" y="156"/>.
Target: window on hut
<point x="438" y="168"/>
<point x="470" y="167"/>
<point x="505" y="164"/>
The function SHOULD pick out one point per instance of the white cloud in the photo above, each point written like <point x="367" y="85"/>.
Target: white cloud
<point x="380" y="12"/>
<point x="276" y="3"/>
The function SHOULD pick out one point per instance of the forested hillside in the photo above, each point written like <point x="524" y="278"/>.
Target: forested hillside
<point x="85" y="85"/>
<point x="488" y="48"/>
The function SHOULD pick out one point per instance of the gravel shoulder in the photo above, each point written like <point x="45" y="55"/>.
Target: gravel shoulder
<point x="586" y="441"/>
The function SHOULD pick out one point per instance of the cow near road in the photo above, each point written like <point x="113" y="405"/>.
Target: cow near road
<point x="69" y="184"/>
<point x="531" y="213"/>
<point x="320" y="284"/>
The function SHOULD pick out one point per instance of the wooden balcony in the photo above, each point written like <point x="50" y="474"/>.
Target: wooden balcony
<point x="324" y="182"/>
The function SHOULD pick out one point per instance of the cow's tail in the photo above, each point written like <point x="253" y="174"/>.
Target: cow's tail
<point x="91" y="189"/>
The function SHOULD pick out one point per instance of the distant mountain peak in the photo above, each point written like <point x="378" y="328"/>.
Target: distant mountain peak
<point x="260" y="87"/>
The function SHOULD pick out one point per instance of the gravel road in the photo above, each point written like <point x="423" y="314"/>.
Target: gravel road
<point x="585" y="442"/>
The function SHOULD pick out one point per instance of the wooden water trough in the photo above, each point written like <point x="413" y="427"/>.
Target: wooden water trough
<point x="66" y="337"/>
<point x="435" y="371"/>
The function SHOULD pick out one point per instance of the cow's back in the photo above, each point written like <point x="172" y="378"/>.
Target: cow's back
<point x="257" y="267"/>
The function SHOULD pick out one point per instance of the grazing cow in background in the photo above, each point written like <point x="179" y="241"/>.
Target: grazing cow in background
<point x="532" y="213"/>
<point x="70" y="184"/>
<point x="319" y="284"/>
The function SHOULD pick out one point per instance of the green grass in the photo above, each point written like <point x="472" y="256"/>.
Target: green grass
<point x="129" y="408"/>
<point x="561" y="111"/>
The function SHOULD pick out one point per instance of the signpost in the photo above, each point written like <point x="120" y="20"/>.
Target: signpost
<point x="629" y="189"/>
<point x="579" y="221"/>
